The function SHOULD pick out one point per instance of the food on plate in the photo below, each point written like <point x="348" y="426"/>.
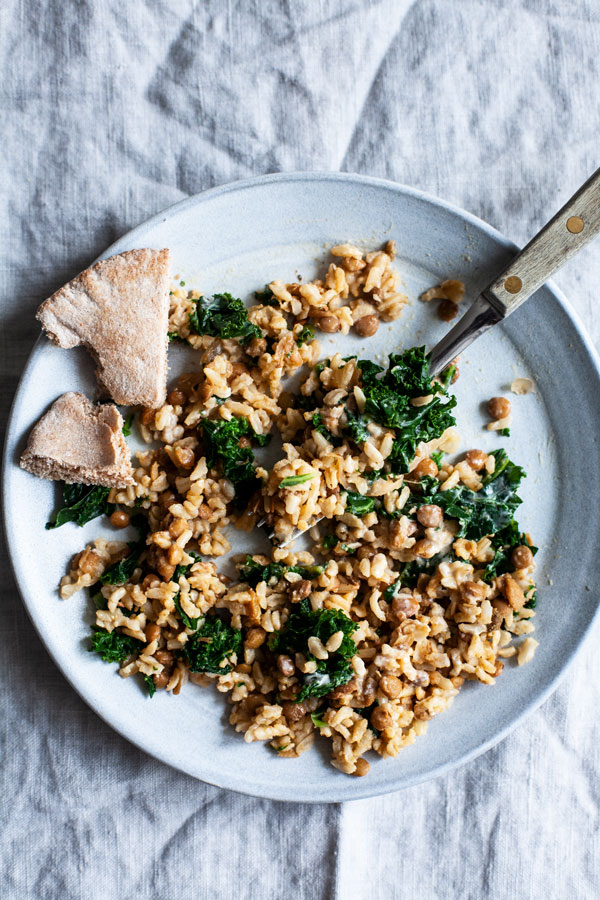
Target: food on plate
<point x="522" y="386"/>
<point x="450" y="292"/>
<point x="500" y="409"/>
<point x="78" y="442"/>
<point x="118" y="309"/>
<point x="417" y="577"/>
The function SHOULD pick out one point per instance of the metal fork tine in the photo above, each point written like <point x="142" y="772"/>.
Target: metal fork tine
<point x="296" y="533"/>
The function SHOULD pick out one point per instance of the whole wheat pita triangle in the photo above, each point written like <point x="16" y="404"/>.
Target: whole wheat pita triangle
<point x="119" y="310"/>
<point x="79" y="443"/>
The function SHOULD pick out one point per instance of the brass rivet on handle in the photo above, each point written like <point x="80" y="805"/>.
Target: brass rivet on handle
<point x="513" y="284"/>
<point x="575" y="224"/>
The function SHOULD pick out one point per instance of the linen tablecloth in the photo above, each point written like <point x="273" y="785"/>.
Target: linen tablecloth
<point x="113" y="110"/>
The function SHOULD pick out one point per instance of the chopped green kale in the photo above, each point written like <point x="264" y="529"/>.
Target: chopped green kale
<point x="113" y="646"/>
<point x="213" y="643"/>
<point x="81" y="504"/>
<point x="187" y="621"/>
<point x="388" y="394"/>
<point x="253" y="572"/>
<point x="184" y="569"/>
<point x="175" y="336"/>
<point x="503" y="543"/>
<point x="223" y="316"/>
<point x="303" y="623"/>
<point x="307" y="334"/>
<point x="150" y="685"/>
<point x="329" y="541"/>
<point x="356" y="427"/>
<point x="358" y="504"/>
<point x="222" y="447"/>
<point x="266" y="297"/>
<point x="482" y="512"/>
<point x="318" y="425"/>
<point x="121" y="571"/>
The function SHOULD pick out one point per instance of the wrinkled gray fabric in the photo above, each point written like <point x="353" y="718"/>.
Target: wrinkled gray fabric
<point x="112" y="111"/>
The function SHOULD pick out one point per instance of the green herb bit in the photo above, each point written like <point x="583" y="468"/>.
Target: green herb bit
<point x="185" y="569"/>
<point x="437" y="456"/>
<point x="175" y="336"/>
<point x="293" y="480"/>
<point x="317" y="721"/>
<point x="266" y="297"/>
<point x="349" y="549"/>
<point x="329" y="541"/>
<point x="505" y="432"/>
<point x="127" y="425"/>
<point x="150" y="685"/>
<point x="318" y="425"/>
<point x="81" y="504"/>
<point x="223" y="316"/>
<point x="190" y="623"/>
<point x="253" y="572"/>
<point x="306" y="335"/>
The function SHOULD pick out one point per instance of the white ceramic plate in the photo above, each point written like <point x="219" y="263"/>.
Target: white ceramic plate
<point x="236" y="238"/>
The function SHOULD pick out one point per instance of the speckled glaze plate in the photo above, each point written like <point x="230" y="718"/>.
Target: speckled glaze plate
<point x="236" y="238"/>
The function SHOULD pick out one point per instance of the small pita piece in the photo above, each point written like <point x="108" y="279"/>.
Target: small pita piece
<point x="79" y="443"/>
<point x="119" y="310"/>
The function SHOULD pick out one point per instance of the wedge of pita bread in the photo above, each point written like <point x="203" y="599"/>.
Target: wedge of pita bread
<point x="119" y="310"/>
<point x="79" y="443"/>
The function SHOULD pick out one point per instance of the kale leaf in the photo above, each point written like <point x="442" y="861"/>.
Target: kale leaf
<point x="184" y="569"/>
<point x="210" y="645"/>
<point x="122" y="570"/>
<point x="319" y="425"/>
<point x="410" y="571"/>
<point x="223" y="316"/>
<point x="358" y="504"/>
<point x="266" y="297"/>
<point x="503" y="543"/>
<point x="356" y="427"/>
<point x="113" y="646"/>
<point x="187" y="621"/>
<point x="486" y="511"/>
<point x="81" y="504"/>
<point x="303" y="623"/>
<point x="150" y="685"/>
<point x="253" y="572"/>
<point x="222" y="447"/>
<point x="388" y="394"/>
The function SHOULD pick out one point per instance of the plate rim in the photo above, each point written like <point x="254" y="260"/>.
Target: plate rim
<point x="358" y="791"/>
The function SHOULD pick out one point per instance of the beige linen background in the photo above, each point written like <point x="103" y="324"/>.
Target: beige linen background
<point x="113" y="110"/>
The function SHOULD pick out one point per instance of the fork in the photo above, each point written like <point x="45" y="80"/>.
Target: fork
<point x="573" y="226"/>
